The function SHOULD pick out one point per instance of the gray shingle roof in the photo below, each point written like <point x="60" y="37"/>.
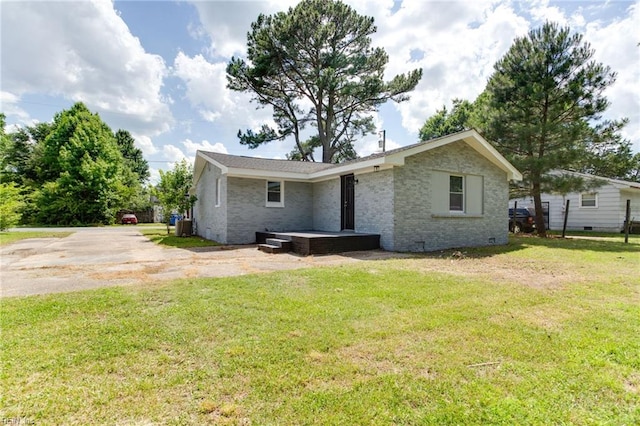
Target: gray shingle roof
<point x="288" y="166"/>
<point x="252" y="163"/>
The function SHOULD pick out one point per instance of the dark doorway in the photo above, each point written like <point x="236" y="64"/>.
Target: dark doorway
<point x="348" y="197"/>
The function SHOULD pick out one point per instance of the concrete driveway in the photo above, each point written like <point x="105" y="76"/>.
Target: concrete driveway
<point x="99" y="257"/>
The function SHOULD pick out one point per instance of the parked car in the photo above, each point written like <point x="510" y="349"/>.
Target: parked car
<point x="524" y="221"/>
<point x="129" y="219"/>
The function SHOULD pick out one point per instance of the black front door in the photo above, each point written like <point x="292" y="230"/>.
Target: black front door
<point x="348" y="196"/>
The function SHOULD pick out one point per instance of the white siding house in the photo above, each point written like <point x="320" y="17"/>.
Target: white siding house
<point x="599" y="209"/>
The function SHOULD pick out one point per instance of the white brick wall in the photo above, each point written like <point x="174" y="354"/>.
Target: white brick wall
<point x="395" y="203"/>
<point x="326" y="205"/>
<point x="374" y="206"/>
<point x="211" y="221"/>
<point x="417" y="229"/>
<point x="247" y="211"/>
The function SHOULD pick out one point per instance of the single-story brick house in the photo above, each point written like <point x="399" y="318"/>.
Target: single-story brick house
<point x="443" y="193"/>
<point x="602" y="208"/>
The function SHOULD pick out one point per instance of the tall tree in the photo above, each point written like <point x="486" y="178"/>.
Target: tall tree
<point x="609" y="155"/>
<point x="10" y="205"/>
<point x="173" y="189"/>
<point x="18" y="163"/>
<point x="133" y="158"/>
<point x="81" y="167"/>
<point x="445" y="122"/>
<point x="314" y="65"/>
<point x="544" y="104"/>
<point x="5" y="146"/>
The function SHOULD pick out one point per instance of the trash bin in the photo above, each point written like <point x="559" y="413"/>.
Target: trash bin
<point x="174" y="218"/>
<point x="178" y="228"/>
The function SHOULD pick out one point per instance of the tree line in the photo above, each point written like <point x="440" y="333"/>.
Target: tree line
<point x="72" y="171"/>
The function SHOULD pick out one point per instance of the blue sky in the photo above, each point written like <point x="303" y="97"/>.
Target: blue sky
<point x="157" y="68"/>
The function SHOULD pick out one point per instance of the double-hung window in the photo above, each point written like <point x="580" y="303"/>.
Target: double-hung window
<point x="275" y="193"/>
<point x="589" y="200"/>
<point x="456" y="193"/>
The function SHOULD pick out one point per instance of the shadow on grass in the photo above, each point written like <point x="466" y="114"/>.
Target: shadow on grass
<point x="194" y="243"/>
<point x="604" y="244"/>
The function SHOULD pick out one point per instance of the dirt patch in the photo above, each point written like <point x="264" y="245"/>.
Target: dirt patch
<point x="500" y="268"/>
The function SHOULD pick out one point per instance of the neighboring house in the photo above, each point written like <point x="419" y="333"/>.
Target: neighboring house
<point x="443" y="193"/>
<point x="602" y="208"/>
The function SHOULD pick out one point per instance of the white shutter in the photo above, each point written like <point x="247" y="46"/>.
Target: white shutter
<point x="439" y="193"/>
<point x="474" y="196"/>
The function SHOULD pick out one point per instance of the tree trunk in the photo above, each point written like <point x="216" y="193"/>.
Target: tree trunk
<point x="539" y="217"/>
<point x="327" y="154"/>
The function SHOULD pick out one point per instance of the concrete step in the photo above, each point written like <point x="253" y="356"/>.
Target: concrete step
<point x="279" y="242"/>
<point x="270" y="248"/>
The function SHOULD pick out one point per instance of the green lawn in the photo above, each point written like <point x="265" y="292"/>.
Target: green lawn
<point x="536" y="332"/>
<point x="159" y="236"/>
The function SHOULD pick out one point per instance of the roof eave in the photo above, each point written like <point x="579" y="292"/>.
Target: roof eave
<point x="266" y="174"/>
<point x="359" y="166"/>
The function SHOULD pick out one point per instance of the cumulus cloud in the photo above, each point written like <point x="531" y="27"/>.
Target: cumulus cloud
<point x="85" y="52"/>
<point x="614" y="47"/>
<point x="458" y="43"/>
<point x="205" y="145"/>
<point x="226" y="27"/>
<point x="10" y="107"/>
<point x="145" y="143"/>
<point x="206" y="90"/>
<point x="173" y="153"/>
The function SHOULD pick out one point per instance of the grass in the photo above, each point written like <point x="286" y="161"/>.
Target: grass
<point x="609" y="236"/>
<point x="160" y="236"/>
<point x="13" y="236"/>
<point x="380" y="342"/>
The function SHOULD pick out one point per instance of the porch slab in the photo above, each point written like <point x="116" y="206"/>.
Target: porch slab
<point x="319" y="242"/>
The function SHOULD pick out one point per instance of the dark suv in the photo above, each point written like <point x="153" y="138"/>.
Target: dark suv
<point x="524" y="221"/>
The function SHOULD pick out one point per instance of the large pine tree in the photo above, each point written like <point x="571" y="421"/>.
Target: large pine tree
<point x="314" y="65"/>
<point x="543" y="106"/>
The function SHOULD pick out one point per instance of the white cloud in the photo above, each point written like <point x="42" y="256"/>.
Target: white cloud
<point x="226" y="24"/>
<point x="9" y="106"/>
<point x="205" y="145"/>
<point x="154" y="176"/>
<point x="145" y="144"/>
<point x="83" y="51"/>
<point x="173" y="153"/>
<point x="614" y="47"/>
<point x="206" y="90"/>
<point x="541" y="11"/>
<point x="459" y="41"/>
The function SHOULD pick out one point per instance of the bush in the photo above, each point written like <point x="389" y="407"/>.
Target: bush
<point x="10" y="204"/>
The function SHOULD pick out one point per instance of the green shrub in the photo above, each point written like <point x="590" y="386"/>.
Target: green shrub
<point x="10" y="204"/>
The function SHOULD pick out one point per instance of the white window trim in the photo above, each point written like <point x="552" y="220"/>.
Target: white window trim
<point x="462" y="211"/>
<point x="266" y="194"/>
<point x="589" y="207"/>
<point x="218" y="194"/>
